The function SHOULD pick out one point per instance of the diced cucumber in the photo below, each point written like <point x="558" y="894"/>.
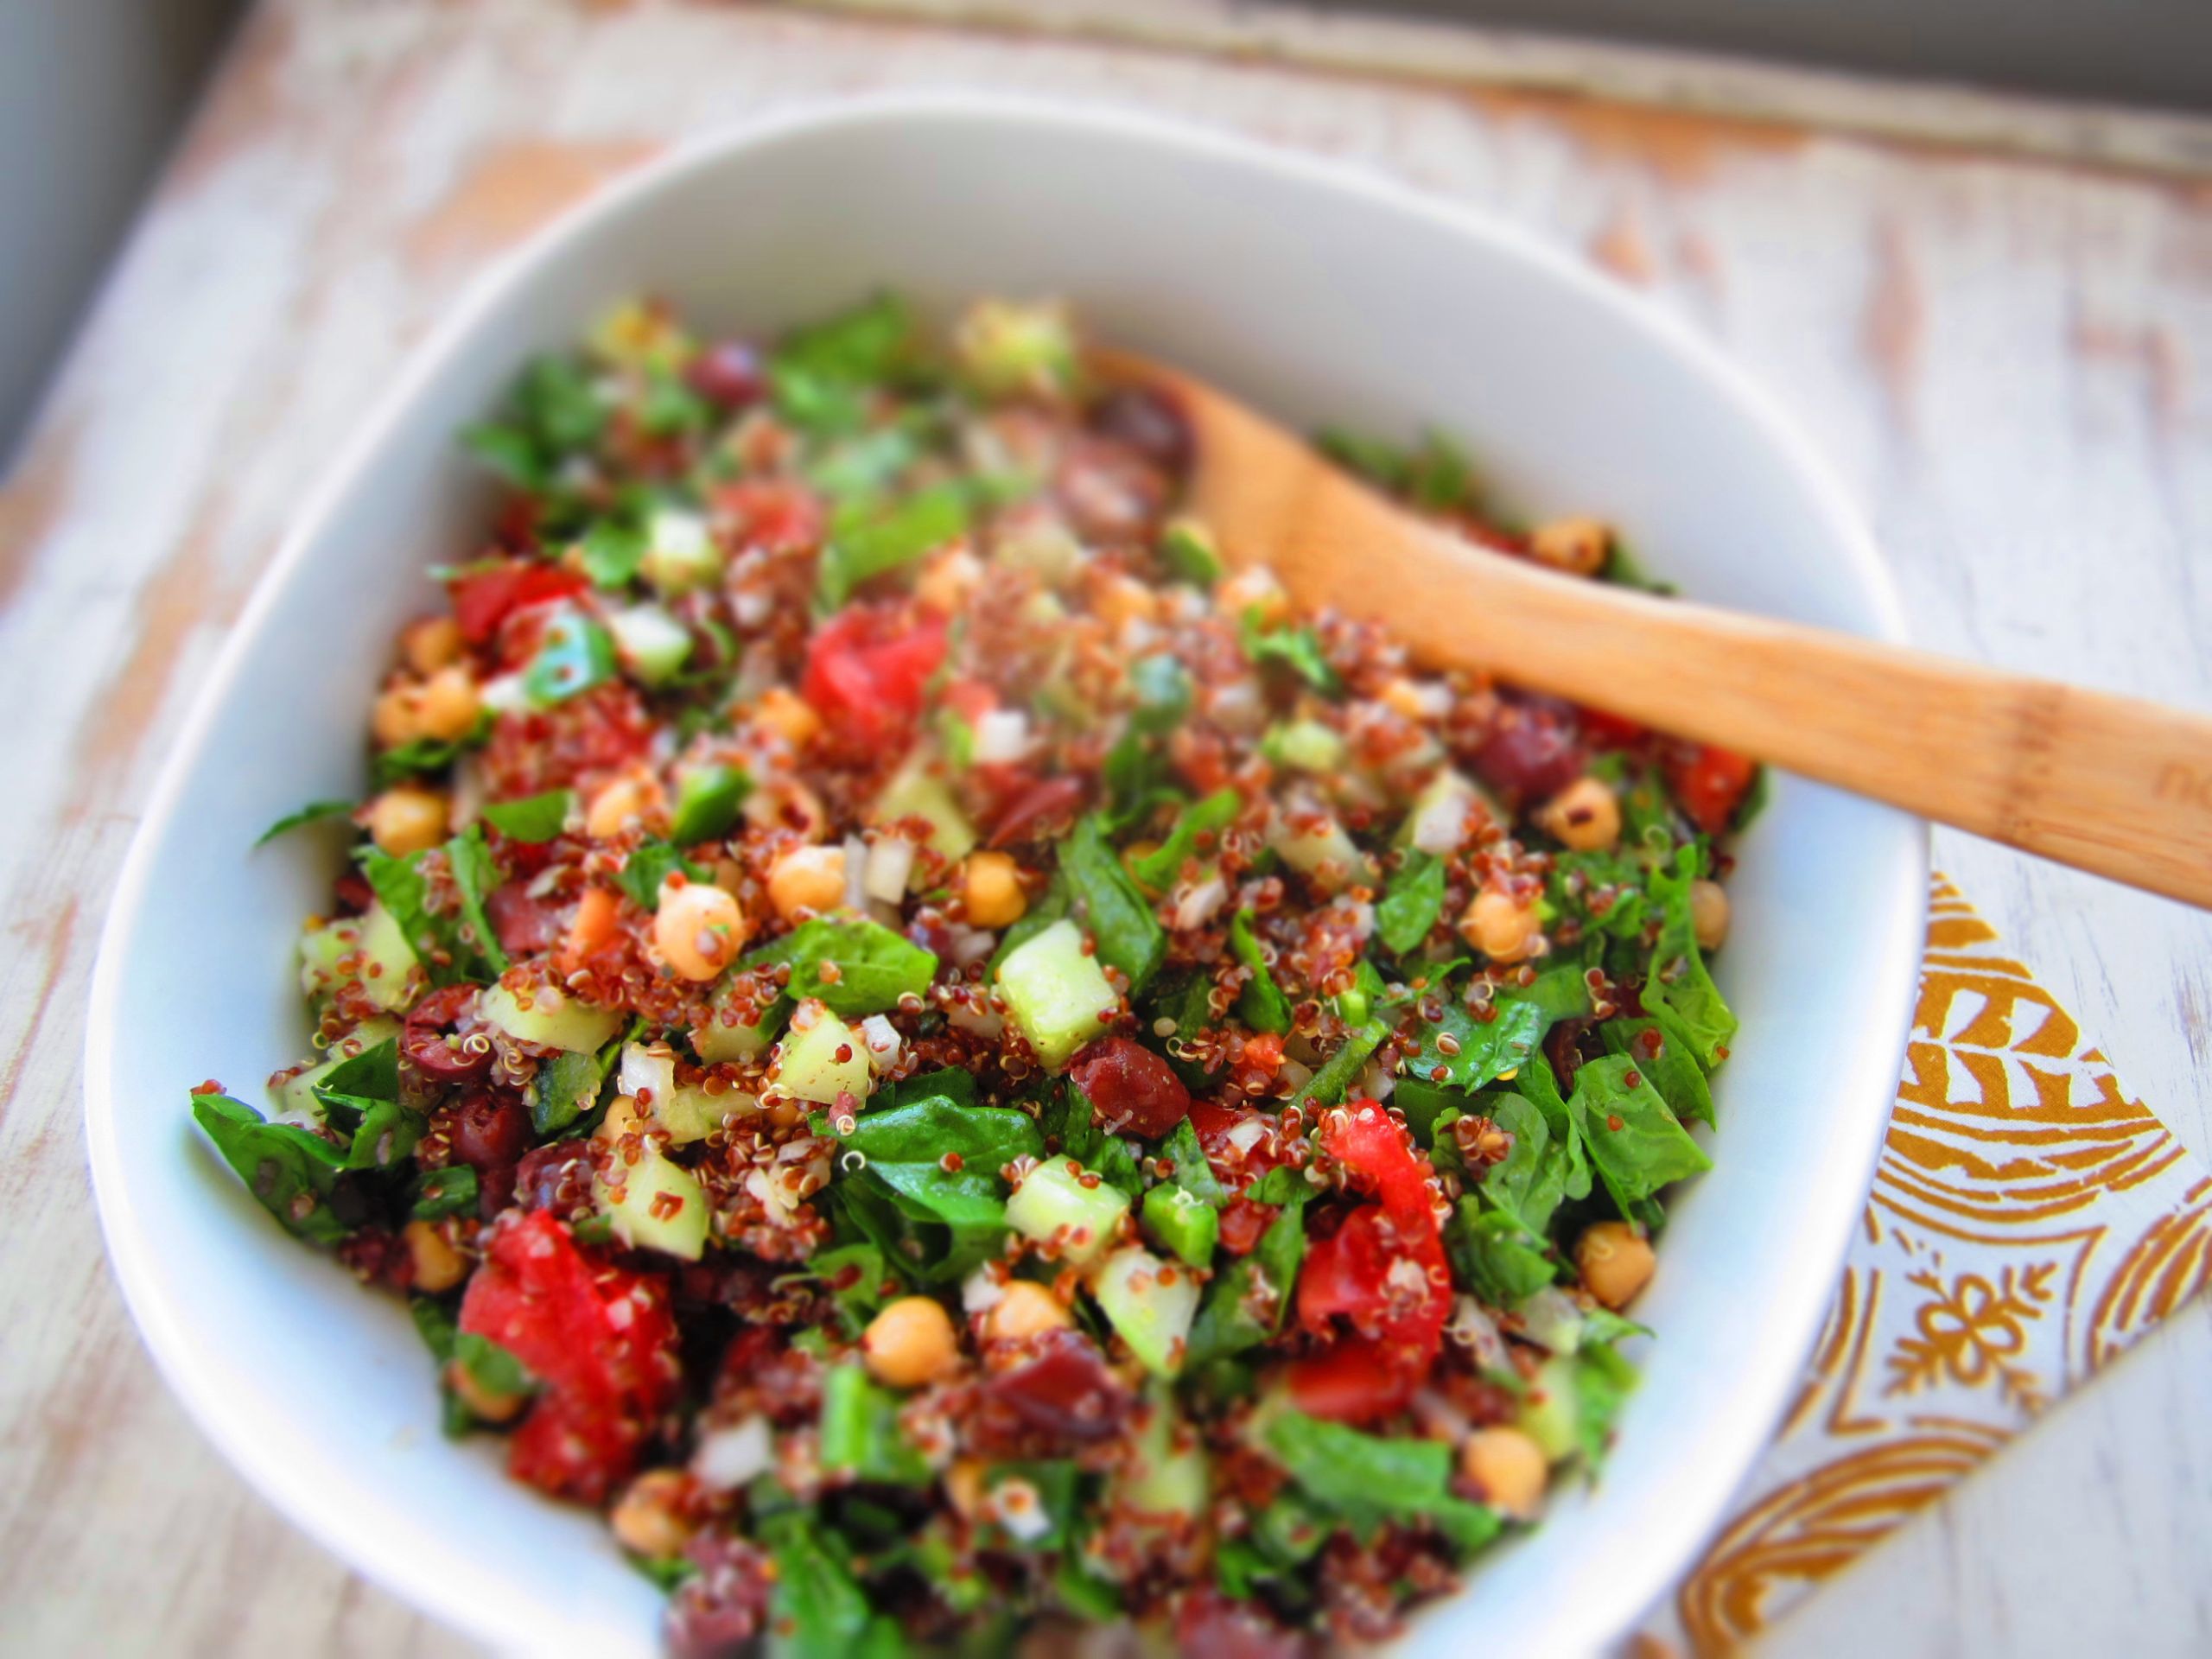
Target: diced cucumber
<point x="648" y="1075"/>
<point x="822" y="1057"/>
<point x="718" y="1043"/>
<point x="1319" y="850"/>
<point x="1057" y="993"/>
<point x="1150" y="1303"/>
<point x="662" y="1206"/>
<point x="1053" y="1206"/>
<point x="295" y="1100"/>
<point x="1003" y="348"/>
<point x="707" y="800"/>
<point x="680" y="551"/>
<point x="551" y="1021"/>
<point x="1187" y="1225"/>
<point x="1186" y="547"/>
<point x="1551" y="1412"/>
<point x="1044" y="546"/>
<point x="915" y="792"/>
<point x="1162" y="1478"/>
<point x="1304" y="745"/>
<point x="1437" y="822"/>
<point x="371" y="948"/>
<point x="651" y="644"/>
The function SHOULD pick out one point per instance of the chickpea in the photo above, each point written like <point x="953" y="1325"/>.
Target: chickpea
<point x="438" y="1266"/>
<point x="788" y="804"/>
<point x="619" y="806"/>
<point x="1119" y="599"/>
<point x="1508" y="1468"/>
<point x="789" y="716"/>
<point x="992" y="889"/>
<point x="648" y="1519"/>
<point x="1402" y="696"/>
<point x="910" y="1343"/>
<point x="963" y="1488"/>
<point x="947" y="581"/>
<point x="491" y="1406"/>
<point x="1027" y="1309"/>
<point x="448" y="706"/>
<point x="1501" y="927"/>
<point x="1253" y="588"/>
<point x="1709" y="913"/>
<point x="1577" y="546"/>
<point x="699" y="929"/>
<point x="397" y="717"/>
<point x="430" y="644"/>
<point x="1585" y="816"/>
<point x="1615" y="1261"/>
<point x="406" y="820"/>
<point x="807" y="878"/>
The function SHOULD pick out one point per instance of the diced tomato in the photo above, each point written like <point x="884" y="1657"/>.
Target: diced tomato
<point x="1356" y="1381"/>
<point x="1244" y="1223"/>
<point x="865" y="669"/>
<point x="1606" y="731"/>
<point x="600" y="1339"/>
<point x="779" y="516"/>
<point x="1709" y="784"/>
<point x="1381" y="1271"/>
<point x="1376" y="1152"/>
<point x="483" y="599"/>
<point x="1131" y="1089"/>
<point x="969" y="699"/>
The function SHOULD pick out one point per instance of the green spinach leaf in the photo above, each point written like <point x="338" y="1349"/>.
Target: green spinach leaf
<point x="1261" y="1004"/>
<point x="856" y="966"/>
<point x="1413" y="905"/>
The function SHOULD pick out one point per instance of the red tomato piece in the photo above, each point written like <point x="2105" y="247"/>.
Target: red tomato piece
<point x="1606" y="731"/>
<point x="1356" y="1381"/>
<point x="484" y="599"/>
<point x="1244" y="1223"/>
<point x="865" y="669"/>
<point x="600" y="1339"/>
<point x="1130" y="1088"/>
<point x="1709" y="784"/>
<point x="1377" y="1154"/>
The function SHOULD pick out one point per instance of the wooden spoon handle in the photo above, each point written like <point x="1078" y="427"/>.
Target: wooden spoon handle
<point x="2106" y="784"/>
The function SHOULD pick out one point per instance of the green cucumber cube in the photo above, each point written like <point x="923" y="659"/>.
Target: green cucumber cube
<point x="822" y="1058"/>
<point x="1187" y="1225"/>
<point x="1150" y="1303"/>
<point x="551" y="1021"/>
<point x="1055" y="1207"/>
<point x="1057" y="993"/>
<point x="651" y="644"/>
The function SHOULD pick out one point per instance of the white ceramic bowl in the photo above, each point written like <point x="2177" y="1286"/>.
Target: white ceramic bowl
<point x="1319" y="294"/>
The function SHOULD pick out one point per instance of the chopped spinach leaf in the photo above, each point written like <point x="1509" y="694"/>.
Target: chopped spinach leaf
<point x="650" y="864"/>
<point x="313" y="813"/>
<point x="532" y="818"/>
<point x="856" y="966"/>
<point x="1127" y="935"/>
<point x="291" y="1170"/>
<point x="865" y="547"/>
<point x="1367" y="1479"/>
<point x="1261" y="1004"/>
<point x="1194" y="825"/>
<point x="707" y="801"/>
<point x="1411" y="908"/>
<point x="1634" y="1141"/>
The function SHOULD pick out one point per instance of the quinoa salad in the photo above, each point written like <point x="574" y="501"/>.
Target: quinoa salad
<point x="931" y="1046"/>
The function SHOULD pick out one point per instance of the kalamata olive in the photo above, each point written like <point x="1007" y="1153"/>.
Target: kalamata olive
<point x="1131" y="1089"/>
<point x="441" y="1039"/>
<point x="1061" y="1394"/>
<point x="488" y="1131"/>
<point x="717" y="1612"/>
<point x="1147" y="423"/>
<point x="523" y="924"/>
<point x="556" y="1177"/>
<point x="1210" y="1624"/>
<point x="729" y="374"/>
<point x="354" y="894"/>
<point x="1037" y="810"/>
<point x="1531" y="753"/>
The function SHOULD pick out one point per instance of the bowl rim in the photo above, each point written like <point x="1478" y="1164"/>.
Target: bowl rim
<point x="161" y="1324"/>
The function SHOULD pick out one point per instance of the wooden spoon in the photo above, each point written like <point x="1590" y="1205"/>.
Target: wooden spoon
<point x="2106" y="784"/>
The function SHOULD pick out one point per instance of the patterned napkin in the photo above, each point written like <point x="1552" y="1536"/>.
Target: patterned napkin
<point x="2028" y="1223"/>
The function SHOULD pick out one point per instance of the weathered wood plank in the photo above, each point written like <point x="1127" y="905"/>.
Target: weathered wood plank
<point x="2005" y="358"/>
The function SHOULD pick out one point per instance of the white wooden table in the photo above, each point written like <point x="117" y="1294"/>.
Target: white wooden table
<point x="2004" y="354"/>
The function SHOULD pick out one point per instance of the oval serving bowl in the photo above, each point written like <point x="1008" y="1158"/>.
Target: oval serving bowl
<point x="1315" y="293"/>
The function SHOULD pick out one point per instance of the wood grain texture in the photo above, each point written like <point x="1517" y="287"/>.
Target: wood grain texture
<point x="2117" y="786"/>
<point x="2005" y="359"/>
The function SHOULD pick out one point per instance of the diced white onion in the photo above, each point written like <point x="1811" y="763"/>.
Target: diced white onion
<point x="1201" y="904"/>
<point x="855" y="873"/>
<point x="1439" y="828"/>
<point x="981" y="1291"/>
<point x="503" y="695"/>
<point x="647" y="1071"/>
<point x="1376" y="1082"/>
<point x="979" y="1022"/>
<point x="1236" y="706"/>
<point x="1246" y="1134"/>
<point x="881" y="1040"/>
<point x="728" y="1458"/>
<point x="890" y="862"/>
<point x="1475" y="1330"/>
<point x="1550" y="1319"/>
<point x="1021" y="1511"/>
<point x="1297" y="1074"/>
<point x="1001" y="737"/>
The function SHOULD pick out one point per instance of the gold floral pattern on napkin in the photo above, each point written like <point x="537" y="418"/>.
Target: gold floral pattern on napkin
<point x="2028" y="1223"/>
